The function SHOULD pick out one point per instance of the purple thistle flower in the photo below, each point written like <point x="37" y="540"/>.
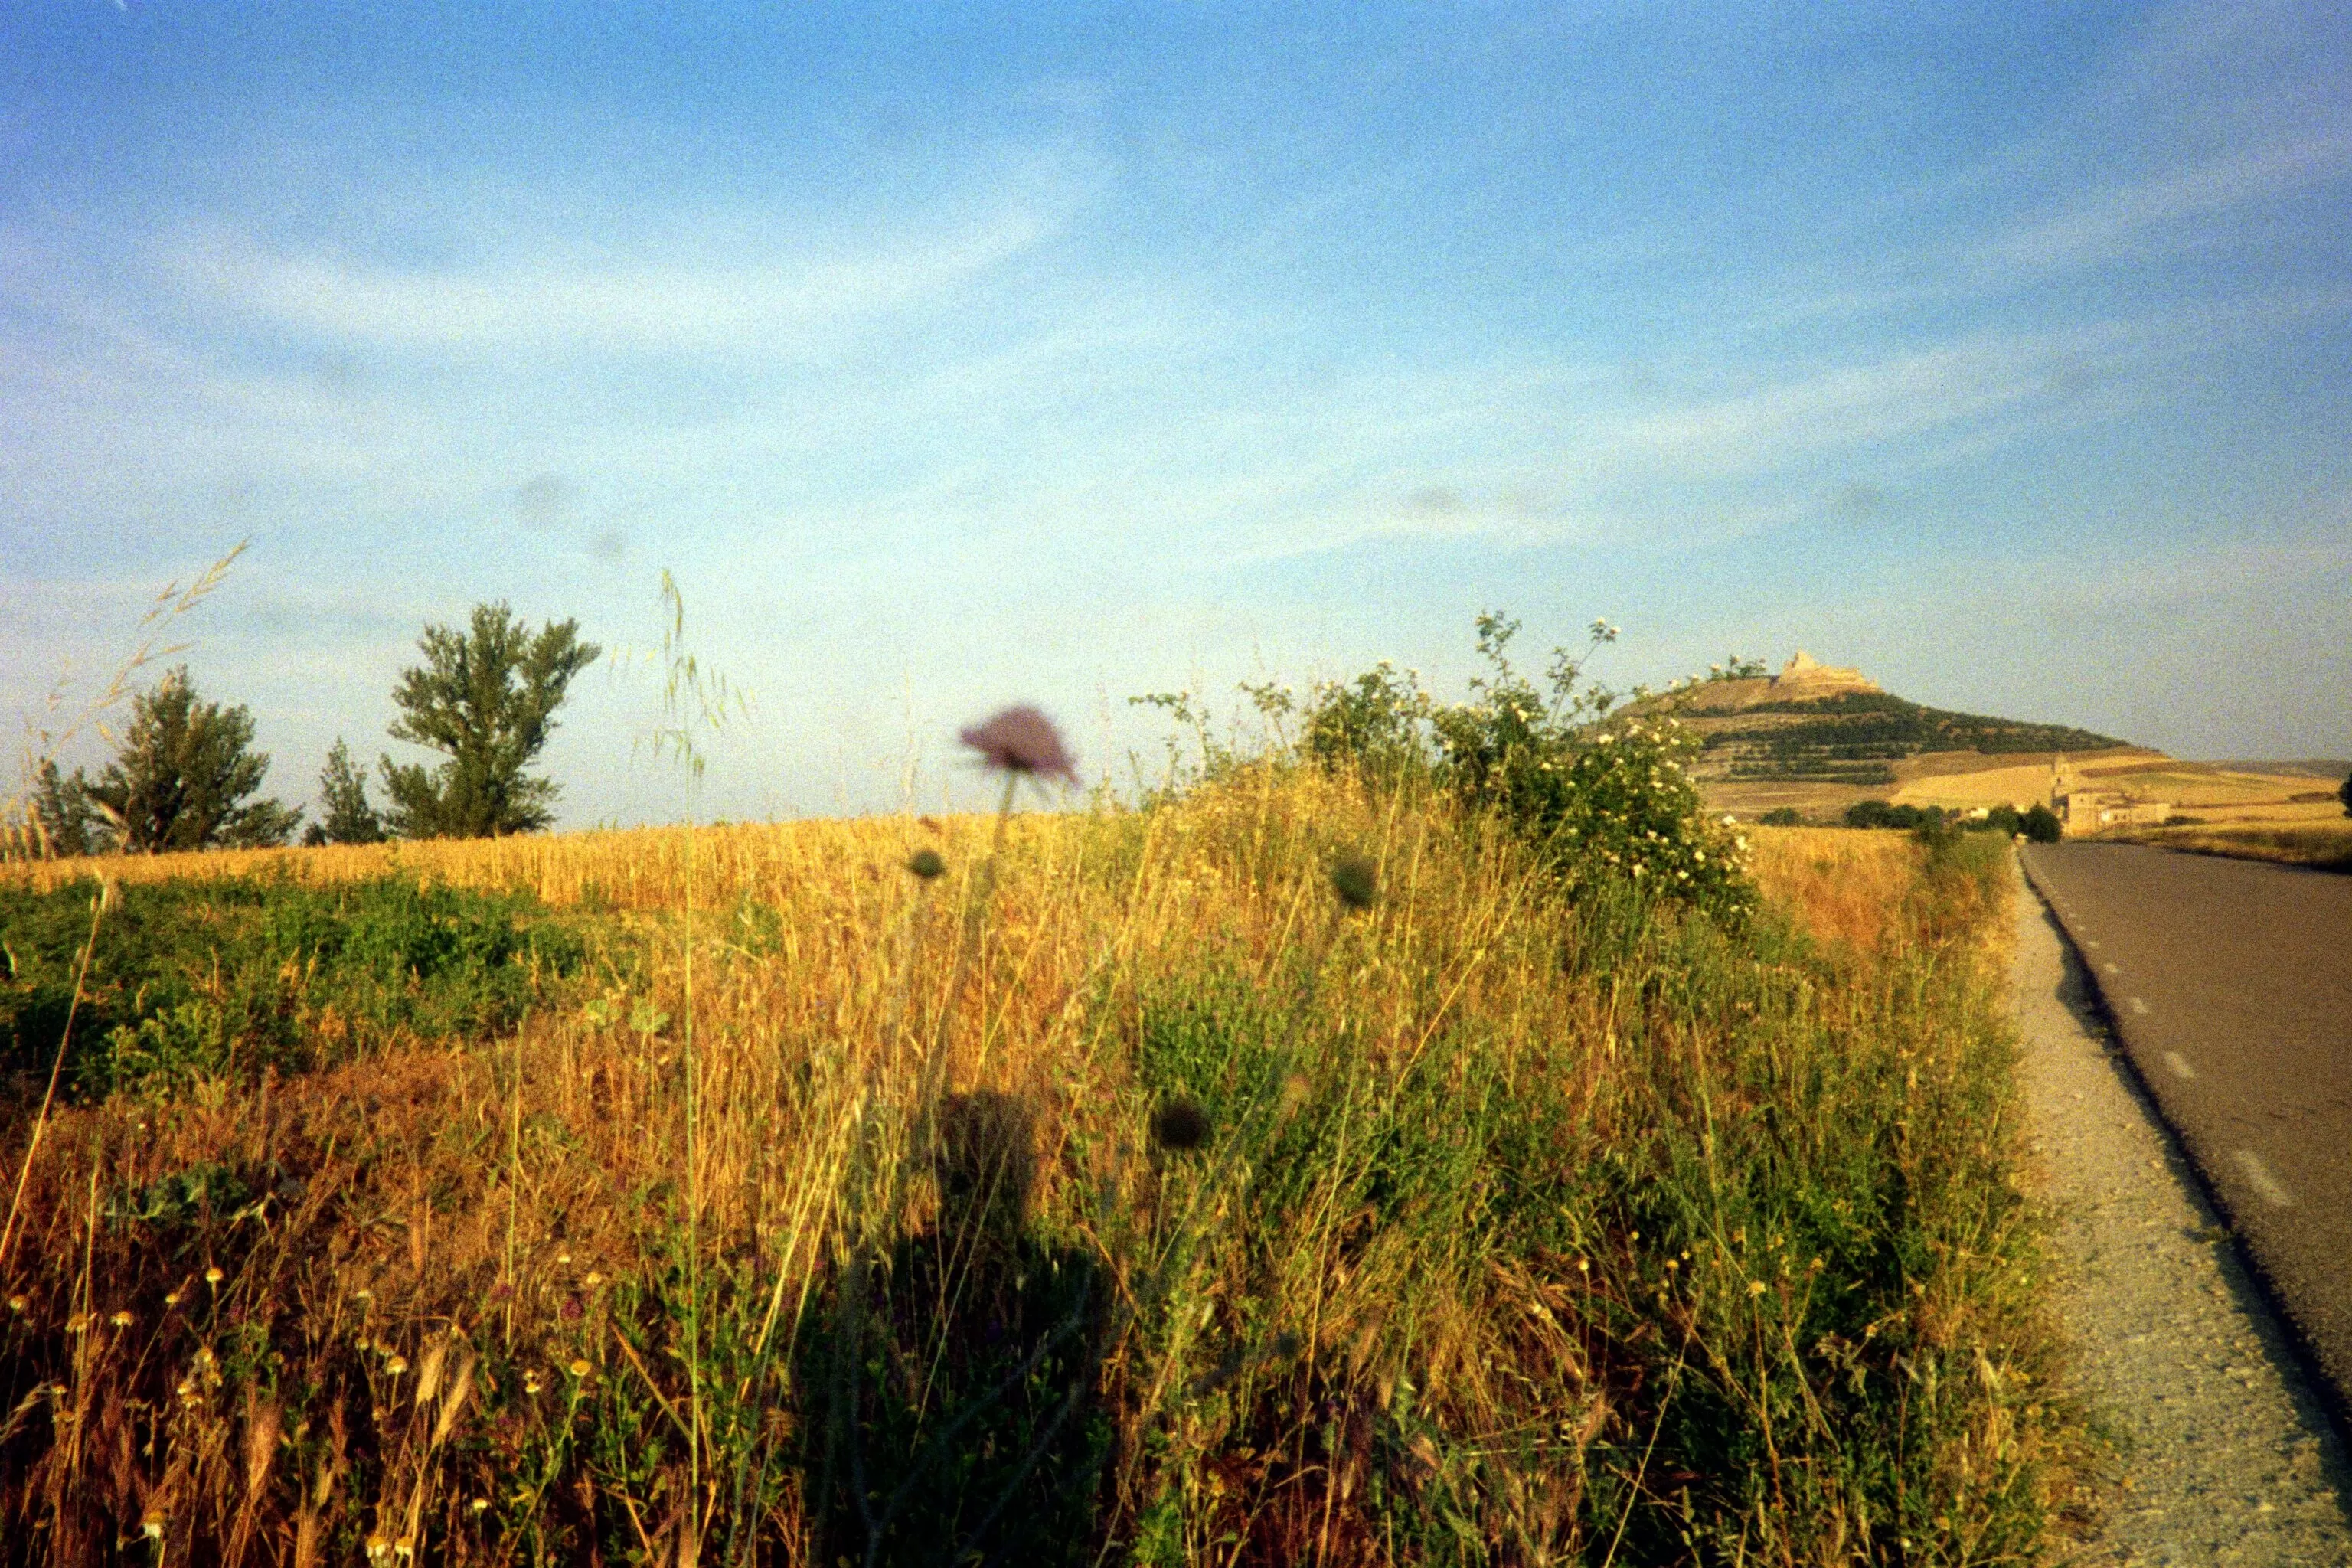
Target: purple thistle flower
<point x="1023" y="740"/>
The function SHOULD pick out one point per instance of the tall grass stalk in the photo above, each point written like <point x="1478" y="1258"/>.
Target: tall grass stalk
<point x="98" y="904"/>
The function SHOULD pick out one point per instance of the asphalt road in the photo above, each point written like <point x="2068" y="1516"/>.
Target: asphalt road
<point x="2230" y="985"/>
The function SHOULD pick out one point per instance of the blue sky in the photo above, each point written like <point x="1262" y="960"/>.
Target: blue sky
<point x="1061" y="354"/>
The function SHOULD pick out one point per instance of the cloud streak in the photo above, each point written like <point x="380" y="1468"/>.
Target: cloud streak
<point x="676" y="308"/>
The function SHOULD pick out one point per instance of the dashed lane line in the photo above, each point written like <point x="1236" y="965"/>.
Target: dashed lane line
<point x="2139" y="1007"/>
<point x="2179" y="1064"/>
<point x="2277" y="1196"/>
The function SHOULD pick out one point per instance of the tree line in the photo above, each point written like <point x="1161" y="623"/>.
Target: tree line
<point x="185" y="776"/>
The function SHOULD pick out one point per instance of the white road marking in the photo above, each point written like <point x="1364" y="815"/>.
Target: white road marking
<point x="2178" y="1064"/>
<point x="2113" y="968"/>
<point x="2139" y="1007"/>
<point x="2277" y="1196"/>
<point x="2089" y="942"/>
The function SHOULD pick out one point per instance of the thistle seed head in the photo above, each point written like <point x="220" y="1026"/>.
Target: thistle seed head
<point x="1179" y="1125"/>
<point x="1355" y="882"/>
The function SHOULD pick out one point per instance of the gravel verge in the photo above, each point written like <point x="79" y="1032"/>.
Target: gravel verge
<point x="2225" y="1453"/>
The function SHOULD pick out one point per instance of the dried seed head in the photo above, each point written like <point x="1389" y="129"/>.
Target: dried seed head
<point x="1355" y="882"/>
<point x="1179" y="1125"/>
<point x="1023" y="740"/>
<point x="213" y="1276"/>
<point x="261" y="1430"/>
<point x="926" y="864"/>
<point x="461" y="1384"/>
<point x="429" y="1370"/>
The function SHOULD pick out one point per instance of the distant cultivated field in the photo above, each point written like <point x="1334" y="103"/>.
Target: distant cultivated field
<point x="1966" y="781"/>
<point x="1124" y="1192"/>
<point x="2322" y="842"/>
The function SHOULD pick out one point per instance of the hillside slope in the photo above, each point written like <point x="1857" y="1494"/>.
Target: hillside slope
<point x="1817" y="738"/>
<point x="1815" y="724"/>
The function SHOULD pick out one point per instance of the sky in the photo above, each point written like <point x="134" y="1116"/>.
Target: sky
<point x="949" y="357"/>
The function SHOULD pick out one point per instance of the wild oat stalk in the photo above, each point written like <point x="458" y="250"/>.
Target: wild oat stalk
<point x="696" y="703"/>
<point x="105" y="900"/>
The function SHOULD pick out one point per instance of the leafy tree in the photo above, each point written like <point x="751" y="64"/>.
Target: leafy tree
<point x="2042" y="824"/>
<point x="344" y="802"/>
<point x="1886" y="814"/>
<point x="486" y="698"/>
<point x="184" y="775"/>
<point x="1783" y="816"/>
<point x="70" y="823"/>
<point x="2344" y="793"/>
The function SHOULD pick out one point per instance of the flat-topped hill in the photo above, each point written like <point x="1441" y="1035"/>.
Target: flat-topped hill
<point x="1819" y="737"/>
<point x="1823" y="724"/>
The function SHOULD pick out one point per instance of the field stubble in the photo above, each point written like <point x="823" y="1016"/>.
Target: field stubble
<point x="828" y="1214"/>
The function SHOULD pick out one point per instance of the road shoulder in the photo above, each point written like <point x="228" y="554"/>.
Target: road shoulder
<point x="2227" y="1455"/>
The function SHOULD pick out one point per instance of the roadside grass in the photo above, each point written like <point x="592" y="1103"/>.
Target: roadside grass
<point x="2326" y="846"/>
<point x="1123" y="1193"/>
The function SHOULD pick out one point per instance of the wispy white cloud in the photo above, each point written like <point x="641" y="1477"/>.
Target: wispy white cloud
<point x="593" y="304"/>
<point x="2178" y="209"/>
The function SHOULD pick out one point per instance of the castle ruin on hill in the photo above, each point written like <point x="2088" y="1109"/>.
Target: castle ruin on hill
<point x="1806" y="678"/>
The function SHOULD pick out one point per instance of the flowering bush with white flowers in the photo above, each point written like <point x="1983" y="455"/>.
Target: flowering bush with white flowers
<point x="1607" y="799"/>
<point x="1625" y="807"/>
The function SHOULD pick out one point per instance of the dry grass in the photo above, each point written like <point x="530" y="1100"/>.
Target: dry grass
<point x="1529" y="1233"/>
<point x="2326" y="845"/>
<point x="1838" y="885"/>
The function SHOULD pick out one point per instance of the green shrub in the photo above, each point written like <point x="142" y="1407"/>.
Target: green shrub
<point x="2041" y="825"/>
<point x="1604" y="798"/>
<point x="192" y="979"/>
<point x="1886" y="814"/>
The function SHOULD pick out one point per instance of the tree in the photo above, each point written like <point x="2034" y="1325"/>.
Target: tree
<point x="2042" y="824"/>
<point x="69" y="822"/>
<point x="183" y="773"/>
<point x="2344" y="793"/>
<point x="343" y="803"/>
<point x="485" y="700"/>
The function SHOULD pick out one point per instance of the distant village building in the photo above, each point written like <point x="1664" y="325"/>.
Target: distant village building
<point x="2082" y="810"/>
